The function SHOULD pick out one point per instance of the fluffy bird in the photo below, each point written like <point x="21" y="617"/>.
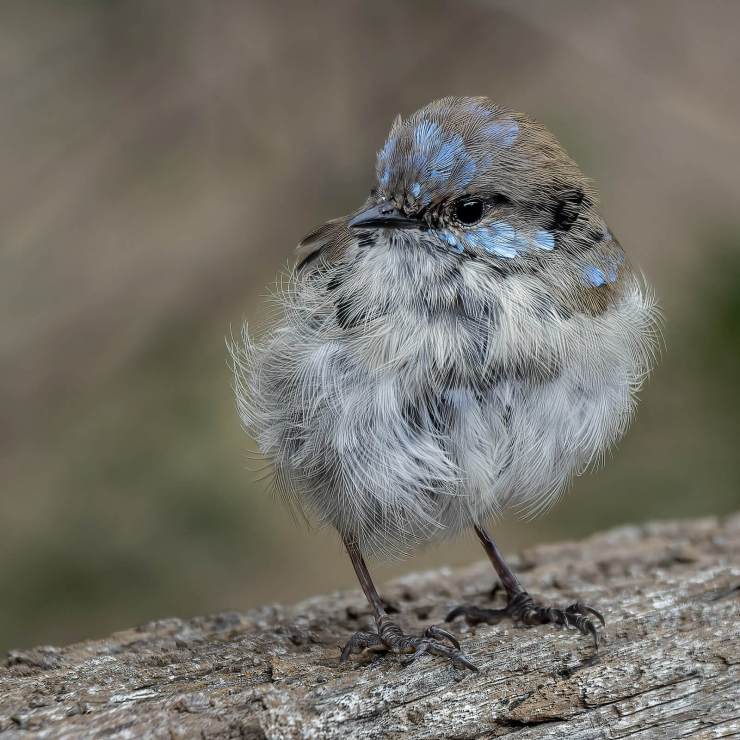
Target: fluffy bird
<point x="464" y="344"/>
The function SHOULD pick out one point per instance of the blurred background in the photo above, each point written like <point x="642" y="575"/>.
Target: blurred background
<point x="160" y="159"/>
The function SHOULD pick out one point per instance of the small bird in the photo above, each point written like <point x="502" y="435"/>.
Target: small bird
<point x="463" y="344"/>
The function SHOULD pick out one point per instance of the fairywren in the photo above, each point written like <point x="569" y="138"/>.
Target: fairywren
<point x="465" y="343"/>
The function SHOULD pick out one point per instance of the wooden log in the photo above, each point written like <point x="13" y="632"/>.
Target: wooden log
<point x="668" y="667"/>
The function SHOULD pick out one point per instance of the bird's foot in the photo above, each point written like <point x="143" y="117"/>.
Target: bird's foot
<point x="522" y="608"/>
<point x="391" y="638"/>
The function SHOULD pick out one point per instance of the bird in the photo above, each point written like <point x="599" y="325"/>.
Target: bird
<point x="459" y="347"/>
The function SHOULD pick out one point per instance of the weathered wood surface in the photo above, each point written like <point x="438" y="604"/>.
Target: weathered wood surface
<point x="669" y="667"/>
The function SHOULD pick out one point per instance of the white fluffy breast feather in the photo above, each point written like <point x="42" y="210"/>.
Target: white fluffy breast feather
<point x="405" y="393"/>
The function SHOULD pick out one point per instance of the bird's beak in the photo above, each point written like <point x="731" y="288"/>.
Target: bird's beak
<point x="383" y="216"/>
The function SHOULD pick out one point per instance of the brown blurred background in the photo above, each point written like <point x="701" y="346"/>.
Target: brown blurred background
<point x="158" y="162"/>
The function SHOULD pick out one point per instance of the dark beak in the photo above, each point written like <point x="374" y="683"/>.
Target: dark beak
<point x="384" y="216"/>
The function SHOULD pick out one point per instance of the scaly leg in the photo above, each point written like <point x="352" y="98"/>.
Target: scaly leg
<point x="520" y="606"/>
<point x="390" y="637"/>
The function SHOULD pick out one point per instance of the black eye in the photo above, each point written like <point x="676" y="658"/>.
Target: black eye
<point x="469" y="212"/>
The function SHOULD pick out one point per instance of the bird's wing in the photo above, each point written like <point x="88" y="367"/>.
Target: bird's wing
<point x="329" y="241"/>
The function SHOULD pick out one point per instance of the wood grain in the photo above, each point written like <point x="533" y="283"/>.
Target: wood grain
<point x="669" y="666"/>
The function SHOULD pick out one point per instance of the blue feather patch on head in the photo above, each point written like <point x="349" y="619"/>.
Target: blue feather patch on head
<point x="451" y="155"/>
<point x="502" y="250"/>
<point x="439" y="157"/>
<point x="386" y="152"/>
<point x="477" y="109"/>
<point x="427" y="134"/>
<point x="467" y="172"/>
<point x="500" y="238"/>
<point x="448" y="152"/>
<point x="504" y="133"/>
<point x="436" y="159"/>
<point x="452" y="241"/>
<point x="384" y="157"/>
<point x="506" y="241"/>
<point x="503" y="231"/>
<point x="474" y="239"/>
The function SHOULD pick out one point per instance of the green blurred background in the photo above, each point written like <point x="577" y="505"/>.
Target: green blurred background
<point x="159" y="161"/>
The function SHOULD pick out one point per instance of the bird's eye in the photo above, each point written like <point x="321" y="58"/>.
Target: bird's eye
<point x="469" y="212"/>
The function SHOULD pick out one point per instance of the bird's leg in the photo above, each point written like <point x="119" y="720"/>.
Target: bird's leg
<point x="389" y="636"/>
<point x="520" y="606"/>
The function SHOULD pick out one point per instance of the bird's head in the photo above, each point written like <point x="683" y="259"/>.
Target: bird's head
<point x="477" y="179"/>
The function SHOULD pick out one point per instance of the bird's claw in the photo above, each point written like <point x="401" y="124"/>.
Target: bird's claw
<point x="437" y="633"/>
<point x="522" y="608"/>
<point x="390" y="638"/>
<point x="580" y="608"/>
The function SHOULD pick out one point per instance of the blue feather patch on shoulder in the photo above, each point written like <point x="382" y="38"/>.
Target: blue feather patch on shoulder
<point x="597" y="276"/>
<point x="544" y="240"/>
<point x="594" y="275"/>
